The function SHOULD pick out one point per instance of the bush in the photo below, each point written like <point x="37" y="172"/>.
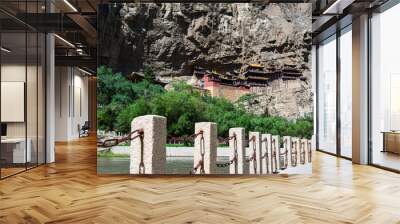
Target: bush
<point x="116" y="99"/>
<point x="125" y="117"/>
<point x="181" y="109"/>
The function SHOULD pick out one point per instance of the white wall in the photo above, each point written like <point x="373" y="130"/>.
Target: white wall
<point x="71" y="102"/>
<point x="12" y="73"/>
<point x="62" y="82"/>
<point x="16" y="73"/>
<point x="33" y="126"/>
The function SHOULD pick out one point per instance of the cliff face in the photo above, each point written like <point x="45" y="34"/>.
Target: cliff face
<point x="173" y="38"/>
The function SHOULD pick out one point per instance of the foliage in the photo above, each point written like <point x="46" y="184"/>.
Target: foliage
<point x="120" y="101"/>
<point x="110" y="154"/>
<point x="148" y="74"/>
<point x="175" y="145"/>
<point x="124" y="118"/>
<point x="181" y="109"/>
<point x="115" y="94"/>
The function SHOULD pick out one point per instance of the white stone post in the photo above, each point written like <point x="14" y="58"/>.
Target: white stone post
<point x="210" y="146"/>
<point x="285" y="153"/>
<point x="295" y="152"/>
<point x="275" y="149"/>
<point x="257" y="144"/>
<point x="303" y="150"/>
<point x="266" y="141"/>
<point x="240" y="137"/>
<point x="154" y="140"/>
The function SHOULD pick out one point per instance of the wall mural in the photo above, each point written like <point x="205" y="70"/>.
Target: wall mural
<point x="193" y="88"/>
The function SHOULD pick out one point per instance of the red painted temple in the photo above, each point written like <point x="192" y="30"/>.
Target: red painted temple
<point x="232" y="85"/>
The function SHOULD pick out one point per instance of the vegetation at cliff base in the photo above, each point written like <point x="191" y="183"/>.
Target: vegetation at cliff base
<point x="120" y="100"/>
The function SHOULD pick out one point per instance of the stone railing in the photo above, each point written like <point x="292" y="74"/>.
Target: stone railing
<point x="148" y="149"/>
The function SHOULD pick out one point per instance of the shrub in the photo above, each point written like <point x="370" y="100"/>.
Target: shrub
<point x="125" y="117"/>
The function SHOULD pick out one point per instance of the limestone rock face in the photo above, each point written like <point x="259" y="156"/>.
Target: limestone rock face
<point x="292" y="102"/>
<point x="172" y="38"/>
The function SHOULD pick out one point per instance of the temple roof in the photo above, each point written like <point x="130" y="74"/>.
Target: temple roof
<point x="253" y="75"/>
<point x="256" y="72"/>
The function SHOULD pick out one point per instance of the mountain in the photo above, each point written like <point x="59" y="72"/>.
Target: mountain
<point x="173" y="38"/>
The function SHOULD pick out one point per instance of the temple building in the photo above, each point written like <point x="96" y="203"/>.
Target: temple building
<point x="223" y="86"/>
<point x="251" y="78"/>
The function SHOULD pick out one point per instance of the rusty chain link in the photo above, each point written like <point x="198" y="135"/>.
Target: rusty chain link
<point x="265" y="156"/>
<point x="235" y="153"/>
<point x="108" y="143"/>
<point x="195" y="135"/>
<point x="274" y="169"/>
<point x="254" y="156"/>
<point x="226" y="164"/>
<point x="200" y="163"/>
<point x="283" y="157"/>
<point x="142" y="169"/>
<point x="116" y="141"/>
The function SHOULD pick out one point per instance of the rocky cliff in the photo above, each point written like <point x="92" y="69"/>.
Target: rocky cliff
<point x="173" y="38"/>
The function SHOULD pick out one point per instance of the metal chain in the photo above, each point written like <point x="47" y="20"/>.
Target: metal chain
<point x="200" y="163"/>
<point x="108" y="143"/>
<point x="229" y="138"/>
<point x="286" y="156"/>
<point x="195" y="135"/>
<point x="254" y="156"/>
<point x="235" y="155"/>
<point x="251" y="158"/>
<point x="283" y="156"/>
<point x="202" y="153"/>
<point x="142" y="169"/>
<point x="226" y="164"/>
<point x="274" y="169"/>
<point x="265" y="156"/>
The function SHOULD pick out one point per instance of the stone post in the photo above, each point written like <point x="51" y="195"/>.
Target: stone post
<point x="240" y="147"/>
<point x="295" y="152"/>
<point x="257" y="144"/>
<point x="275" y="149"/>
<point x="210" y="146"/>
<point x="285" y="153"/>
<point x="303" y="150"/>
<point x="266" y="140"/>
<point x="154" y="140"/>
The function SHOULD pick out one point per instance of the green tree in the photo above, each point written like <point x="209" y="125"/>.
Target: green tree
<point x="149" y="74"/>
<point x="181" y="109"/>
<point x="124" y="119"/>
<point x="115" y="94"/>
